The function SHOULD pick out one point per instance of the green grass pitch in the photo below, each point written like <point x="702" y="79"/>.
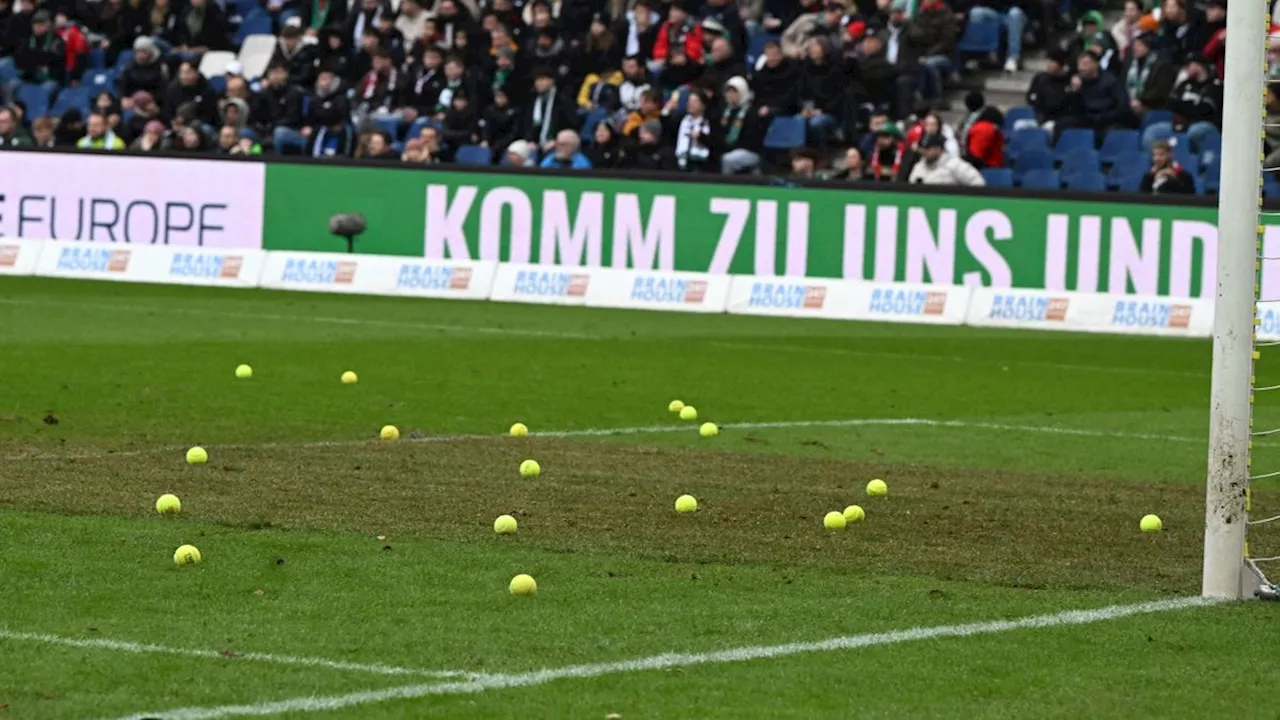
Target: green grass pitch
<point x="349" y="577"/>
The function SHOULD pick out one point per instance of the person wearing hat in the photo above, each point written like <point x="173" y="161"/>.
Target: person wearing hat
<point x="1048" y="92"/>
<point x="727" y="16"/>
<point x="1196" y="103"/>
<point x="547" y="112"/>
<point x="679" y="31"/>
<point x="519" y="154"/>
<point x="42" y="57"/>
<point x="742" y="127"/>
<point x="650" y="154"/>
<point x="1147" y="78"/>
<point x="938" y="167"/>
<point x="146" y="72"/>
<point x="153" y="138"/>
<point x="888" y="153"/>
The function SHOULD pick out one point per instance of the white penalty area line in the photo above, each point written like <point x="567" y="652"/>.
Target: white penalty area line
<point x="148" y="649"/>
<point x="657" y="430"/>
<point x="505" y="681"/>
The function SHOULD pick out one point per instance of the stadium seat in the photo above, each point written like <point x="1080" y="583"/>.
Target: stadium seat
<point x="1270" y="186"/>
<point x="390" y="126"/>
<point x="1081" y="161"/>
<point x="1182" y="150"/>
<point x="1118" y="142"/>
<point x="99" y="81"/>
<point x="1087" y="181"/>
<point x="1026" y="139"/>
<point x="786" y="132"/>
<point x="998" y="177"/>
<point x="8" y="72"/>
<point x="124" y="59"/>
<point x="473" y="155"/>
<point x="415" y="129"/>
<point x="1042" y="179"/>
<point x="1016" y="114"/>
<point x="218" y="83"/>
<point x="1073" y="140"/>
<point x="80" y="97"/>
<point x="97" y="59"/>
<point x="1033" y="159"/>
<point x="1152" y="117"/>
<point x="1212" y="172"/>
<point x="1131" y="182"/>
<point x="589" y="124"/>
<point x="1128" y="163"/>
<point x="256" y="22"/>
<point x="256" y="54"/>
<point x="35" y="98"/>
<point x="979" y="38"/>
<point x="215" y="62"/>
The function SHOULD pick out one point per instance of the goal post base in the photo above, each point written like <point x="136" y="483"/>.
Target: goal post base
<point x="1254" y="585"/>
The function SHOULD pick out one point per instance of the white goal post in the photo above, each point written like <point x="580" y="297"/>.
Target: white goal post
<point x="1226" y="573"/>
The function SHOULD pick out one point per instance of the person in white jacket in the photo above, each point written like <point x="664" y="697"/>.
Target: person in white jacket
<point x="937" y="167"/>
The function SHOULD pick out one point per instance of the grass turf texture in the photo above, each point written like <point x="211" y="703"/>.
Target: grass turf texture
<point x="109" y="383"/>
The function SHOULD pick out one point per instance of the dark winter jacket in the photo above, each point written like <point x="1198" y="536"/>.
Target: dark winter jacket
<point x="201" y="94"/>
<point x="41" y="59"/>
<point x="778" y="88"/>
<point x="273" y="108"/>
<point x="301" y="63"/>
<point x="1048" y="95"/>
<point x="1196" y="101"/>
<point x="1102" y="98"/>
<point x="823" y="85"/>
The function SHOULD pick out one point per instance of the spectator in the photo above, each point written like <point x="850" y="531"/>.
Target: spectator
<point x="69" y="128"/>
<point x="983" y="138"/>
<point x="826" y="24"/>
<point x="887" y="155"/>
<point x="697" y="138"/>
<point x="375" y="146"/>
<point x="721" y="65"/>
<point x="202" y="27"/>
<point x="649" y="153"/>
<point x="566" y="154"/>
<point x="931" y="124"/>
<point x="151" y="139"/>
<point x="11" y="133"/>
<point x="233" y="112"/>
<point x="548" y="112"/>
<point x="1092" y="39"/>
<point x="880" y="77"/>
<point x="145" y="111"/>
<point x="108" y="107"/>
<point x="650" y="109"/>
<point x="599" y="91"/>
<point x="519" y="154"/>
<point x="191" y="140"/>
<point x="728" y="14"/>
<point x="192" y="87"/>
<point x="460" y="123"/>
<point x="247" y="143"/>
<point x="42" y="133"/>
<point x="278" y="105"/>
<point x="938" y="167"/>
<point x="42" y="58"/>
<point x="1148" y="81"/>
<point x="74" y="40"/>
<point x="640" y="31"/>
<point x="679" y="74"/>
<point x="1095" y="100"/>
<point x="412" y="19"/>
<point x="853" y="170"/>
<point x="499" y="123"/>
<point x="332" y="53"/>
<point x="145" y="72"/>
<point x="159" y="23"/>
<point x="635" y="80"/>
<point x="1166" y="176"/>
<point x="606" y="152"/>
<point x="433" y="144"/>
<point x="776" y="83"/>
<point x="1196" y="104"/>
<point x="421" y="92"/>
<point x="320" y="15"/>
<point x="11" y="32"/>
<point x="1127" y="28"/>
<point x="380" y="88"/>
<point x="1050" y="89"/>
<point x="804" y="164"/>
<point x="228" y="140"/>
<point x="601" y="51"/>
<point x="297" y="57"/>
<point x="1271" y="143"/>
<point x="822" y="89"/>
<point x="679" y="31"/>
<point x="743" y="127"/>
<point x="931" y="39"/>
<point x="1009" y="16"/>
<point x="99" y="136"/>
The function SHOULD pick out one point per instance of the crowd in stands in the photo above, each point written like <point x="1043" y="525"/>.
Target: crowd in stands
<point x="804" y="88"/>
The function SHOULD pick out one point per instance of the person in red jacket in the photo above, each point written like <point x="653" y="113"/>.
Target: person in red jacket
<point x="77" y="45"/>
<point x="679" y="30"/>
<point x="984" y="148"/>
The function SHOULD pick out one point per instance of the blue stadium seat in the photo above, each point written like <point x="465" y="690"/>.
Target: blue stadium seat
<point x="1128" y="163"/>
<point x="8" y="72"/>
<point x="97" y="59"/>
<point x="35" y="98"/>
<point x="123" y="59"/>
<point x="998" y="177"/>
<point x="73" y="97"/>
<point x="1182" y="151"/>
<point x="1118" y="142"/>
<point x="1033" y="159"/>
<point x="589" y="124"/>
<point x="1131" y="182"/>
<point x="1213" y="175"/>
<point x="1081" y="161"/>
<point x="1073" y="140"/>
<point x="1014" y="114"/>
<point x="1042" y="179"/>
<point x="786" y="132"/>
<point x="390" y="126"/>
<point x="1270" y="186"/>
<point x="1087" y="181"/>
<point x="755" y="46"/>
<point x="256" y="22"/>
<point x="218" y="83"/>
<point x="979" y="38"/>
<point x="1026" y="139"/>
<point x="416" y="128"/>
<point x="1152" y="117"/>
<point x="99" y="81"/>
<point x="473" y="155"/>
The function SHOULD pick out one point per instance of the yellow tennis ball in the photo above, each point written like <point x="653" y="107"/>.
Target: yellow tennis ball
<point x="244" y="372"/>
<point x="187" y="555"/>
<point x="834" y="520"/>
<point x="686" y="504"/>
<point x="389" y="432"/>
<point x="877" y="488"/>
<point x="675" y="406"/>
<point x="523" y="585"/>
<point x="853" y="514"/>
<point x="708" y="429"/>
<point x="197" y="456"/>
<point x="349" y="378"/>
<point x="168" y="504"/>
<point x="519" y="430"/>
<point x="1151" y="524"/>
<point x="688" y="412"/>
<point x="505" y="525"/>
<point x="530" y="468"/>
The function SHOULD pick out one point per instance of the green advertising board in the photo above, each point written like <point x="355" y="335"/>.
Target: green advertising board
<point x="994" y="240"/>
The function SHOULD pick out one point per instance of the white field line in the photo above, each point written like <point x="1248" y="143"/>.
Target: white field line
<point x="505" y="681"/>
<point x="661" y="429"/>
<point x="146" y="649"/>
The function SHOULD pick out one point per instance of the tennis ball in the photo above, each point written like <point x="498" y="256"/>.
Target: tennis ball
<point x="244" y="372"/>
<point x="519" y="430"/>
<point x="505" y="525"/>
<point x="389" y="432"/>
<point x="708" y="429"/>
<point x="1151" y="524"/>
<point x="168" y="504"/>
<point x="197" y="456"/>
<point x="530" y="468"/>
<point x="688" y="412"/>
<point x="834" y="520"/>
<point x="877" y="488"/>
<point x="349" y="378"/>
<point x="187" y="555"/>
<point x="853" y="514"/>
<point x="523" y="585"/>
<point x="686" y="504"/>
<point x="675" y="406"/>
